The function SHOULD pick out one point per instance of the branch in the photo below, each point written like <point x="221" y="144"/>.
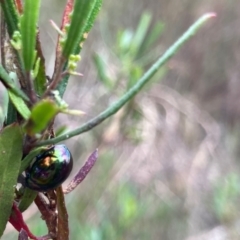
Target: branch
<point x="136" y="88"/>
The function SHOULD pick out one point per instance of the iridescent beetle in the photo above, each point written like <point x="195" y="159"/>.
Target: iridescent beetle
<point x="50" y="169"/>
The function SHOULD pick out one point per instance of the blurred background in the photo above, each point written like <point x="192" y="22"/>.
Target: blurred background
<point x="168" y="164"/>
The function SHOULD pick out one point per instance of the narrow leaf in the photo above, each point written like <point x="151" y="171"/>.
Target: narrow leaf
<point x="27" y="199"/>
<point x="11" y="114"/>
<point x="89" y="25"/>
<point x="20" y="105"/>
<point x="81" y="14"/>
<point x="10" y="15"/>
<point x="40" y="82"/>
<point x="93" y="15"/>
<point x="101" y="69"/>
<point x="83" y="172"/>
<point x="152" y="37"/>
<point x="79" y="40"/>
<point x="5" y="105"/>
<point x="61" y="130"/>
<point x="11" y="142"/>
<point x="9" y="84"/>
<point x="63" y="84"/>
<point x="140" y="34"/>
<point x="29" y="31"/>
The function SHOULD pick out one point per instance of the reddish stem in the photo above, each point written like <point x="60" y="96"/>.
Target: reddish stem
<point x="59" y="63"/>
<point x="16" y="219"/>
<point x="18" y="4"/>
<point x="48" y="215"/>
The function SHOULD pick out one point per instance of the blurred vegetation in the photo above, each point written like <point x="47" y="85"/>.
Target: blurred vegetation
<point x="169" y="162"/>
<point x="135" y="52"/>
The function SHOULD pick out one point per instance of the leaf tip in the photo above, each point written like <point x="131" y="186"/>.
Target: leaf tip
<point x="211" y="15"/>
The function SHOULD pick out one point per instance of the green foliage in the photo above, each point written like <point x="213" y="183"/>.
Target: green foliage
<point x="129" y="207"/>
<point x="28" y="31"/>
<point x="11" y="142"/>
<point x="135" y="51"/>
<point x="226" y="197"/>
<point x="34" y="102"/>
<point x="40" y="82"/>
<point x="42" y="113"/>
<point x="9" y="84"/>
<point x="27" y="199"/>
<point x="126" y="211"/>
<point x="10" y="15"/>
<point x="79" y="22"/>
<point x="19" y="105"/>
<point x="11" y="114"/>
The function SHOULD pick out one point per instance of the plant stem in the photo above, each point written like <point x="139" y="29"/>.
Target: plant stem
<point x="136" y="88"/>
<point x="2" y="39"/>
<point x="57" y="76"/>
<point x="31" y="92"/>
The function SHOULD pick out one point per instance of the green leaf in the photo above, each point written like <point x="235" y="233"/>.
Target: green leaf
<point x="124" y="39"/>
<point x="5" y="104"/>
<point x="136" y="88"/>
<point x="19" y="105"/>
<point x="102" y="74"/>
<point x="93" y="15"/>
<point x="82" y="37"/>
<point x="28" y="24"/>
<point x="10" y="15"/>
<point x="11" y="142"/>
<point x="61" y="130"/>
<point x="9" y="84"/>
<point x="40" y="81"/>
<point x="27" y="199"/>
<point x="81" y="14"/>
<point x="42" y="113"/>
<point x="152" y="37"/>
<point x="63" y="84"/>
<point x="140" y="34"/>
<point x="89" y="25"/>
<point x="11" y="114"/>
<point x="3" y="110"/>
